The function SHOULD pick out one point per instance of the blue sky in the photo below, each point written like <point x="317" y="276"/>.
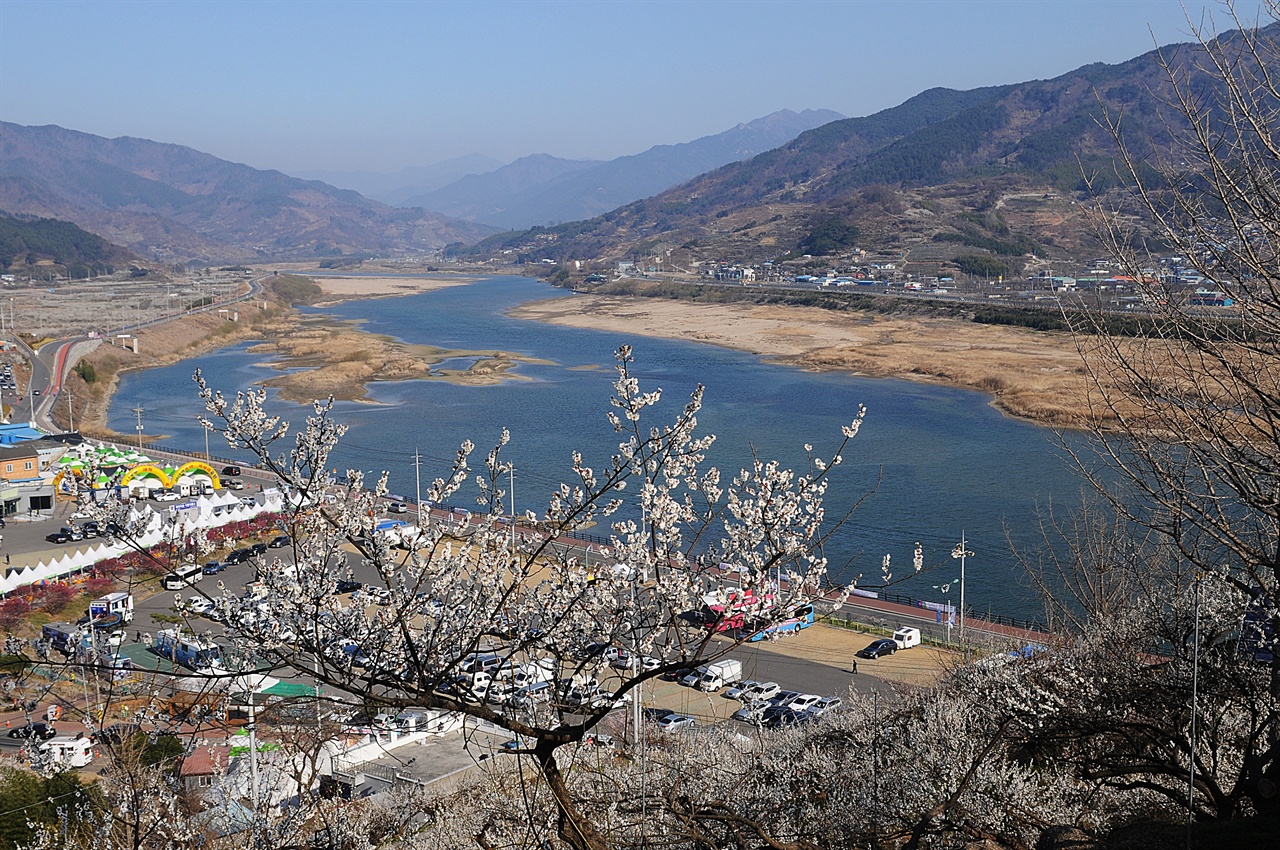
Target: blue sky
<point x="377" y="86"/>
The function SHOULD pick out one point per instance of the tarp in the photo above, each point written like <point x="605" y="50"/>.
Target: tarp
<point x="289" y="689"/>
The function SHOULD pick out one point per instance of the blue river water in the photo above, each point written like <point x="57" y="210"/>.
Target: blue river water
<point x="930" y="461"/>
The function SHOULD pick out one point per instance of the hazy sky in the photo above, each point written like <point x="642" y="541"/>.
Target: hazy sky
<point x="381" y="85"/>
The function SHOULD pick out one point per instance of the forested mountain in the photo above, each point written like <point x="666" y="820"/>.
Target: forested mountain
<point x="544" y="190"/>
<point x="994" y="170"/>
<point x="26" y="242"/>
<point x="173" y="202"/>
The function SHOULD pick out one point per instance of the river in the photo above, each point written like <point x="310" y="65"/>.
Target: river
<point x="933" y="462"/>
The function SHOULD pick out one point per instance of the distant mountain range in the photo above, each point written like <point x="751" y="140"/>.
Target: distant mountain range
<point x="542" y="189"/>
<point x="175" y="203"/>
<point x="397" y="187"/>
<point x="992" y="171"/>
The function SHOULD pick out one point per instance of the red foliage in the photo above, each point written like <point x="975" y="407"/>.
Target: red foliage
<point x="99" y="585"/>
<point x="55" y="597"/>
<point x="12" y="612"/>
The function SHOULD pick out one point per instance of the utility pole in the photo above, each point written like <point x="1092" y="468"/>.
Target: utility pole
<point x="71" y="422"/>
<point x="138" y="412"/>
<point x="961" y="552"/>
<point x="417" y="483"/>
<point x="1195" y="682"/>
<point x="511" y="471"/>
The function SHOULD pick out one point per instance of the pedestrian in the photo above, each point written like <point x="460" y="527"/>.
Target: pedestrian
<point x="6" y="559"/>
<point x="854" y="667"/>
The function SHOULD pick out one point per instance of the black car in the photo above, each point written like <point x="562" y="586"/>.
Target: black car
<point x="346" y="585"/>
<point x="231" y="470"/>
<point x="91" y="527"/>
<point x="280" y="541"/>
<point x="258" y="549"/>
<point x="877" y="648"/>
<point x="58" y="537"/>
<point x="238" y="556"/>
<point x="42" y="731"/>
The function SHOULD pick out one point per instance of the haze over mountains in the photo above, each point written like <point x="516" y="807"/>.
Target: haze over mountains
<point x="542" y="189"/>
<point x="397" y="187"/>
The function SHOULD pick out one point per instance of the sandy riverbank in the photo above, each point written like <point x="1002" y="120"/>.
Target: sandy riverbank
<point x="1033" y="375"/>
<point x="338" y="289"/>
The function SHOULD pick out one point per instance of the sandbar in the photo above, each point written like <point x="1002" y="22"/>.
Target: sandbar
<point x="338" y="289"/>
<point x="1034" y="375"/>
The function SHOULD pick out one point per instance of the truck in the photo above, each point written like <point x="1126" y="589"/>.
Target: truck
<point x="64" y="637"/>
<point x="113" y="603"/>
<point x="720" y="674"/>
<point x="67" y="752"/>
<point x="732" y="610"/>
<point x="187" y="650"/>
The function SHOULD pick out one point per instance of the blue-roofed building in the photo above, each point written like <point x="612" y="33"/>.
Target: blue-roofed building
<point x="18" y="432"/>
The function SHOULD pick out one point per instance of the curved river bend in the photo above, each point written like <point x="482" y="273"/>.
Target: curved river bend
<point x="940" y="460"/>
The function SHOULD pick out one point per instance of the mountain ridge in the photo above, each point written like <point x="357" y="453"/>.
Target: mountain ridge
<point x="175" y="202"/>
<point x="580" y="190"/>
<point x="930" y="177"/>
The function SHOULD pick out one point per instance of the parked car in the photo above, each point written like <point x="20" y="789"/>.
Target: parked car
<point x="166" y="496"/>
<point x="258" y="549"/>
<point x="824" y="705"/>
<point x="231" y="470"/>
<point x="214" y="567"/>
<point x="57" y="537"/>
<point x="778" y="717"/>
<point x="804" y="702"/>
<point x="238" y="556"/>
<point x="398" y="508"/>
<point x="877" y="648"/>
<point x="73" y="534"/>
<point x="757" y="691"/>
<point x="675" y="723"/>
<point x="199" y="605"/>
<point x="280" y="541"/>
<point x="41" y="731"/>
<point x="346" y="585"/>
<point x="752" y="712"/>
<point x="234" y="484"/>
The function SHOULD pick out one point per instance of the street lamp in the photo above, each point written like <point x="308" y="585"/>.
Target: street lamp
<point x="961" y="552"/>
<point x="948" y="610"/>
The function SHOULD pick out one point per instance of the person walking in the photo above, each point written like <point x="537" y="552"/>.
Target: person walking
<point x="853" y="668"/>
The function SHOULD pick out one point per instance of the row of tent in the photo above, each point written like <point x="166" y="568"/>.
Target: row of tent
<point x="206" y="512"/>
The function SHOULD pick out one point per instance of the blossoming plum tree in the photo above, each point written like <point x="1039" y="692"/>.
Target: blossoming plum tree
<point x="470" y="585"/>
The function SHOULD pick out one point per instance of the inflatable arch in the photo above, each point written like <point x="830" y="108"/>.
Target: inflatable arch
<point x="147" y="469"/>
<point x="197" y="466"/>
<point x="57" y="479"/>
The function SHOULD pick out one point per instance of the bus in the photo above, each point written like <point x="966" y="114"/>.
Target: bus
<point x="183" y="576"/>
<point x="189" y="651"/>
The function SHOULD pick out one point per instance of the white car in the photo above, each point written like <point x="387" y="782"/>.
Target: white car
<point x="199" y="605"/>
<point x="804" y="702"/>
<point x="166" y="496"/>
<point x="234" y="484"/>
<point x="737" y="691"/>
